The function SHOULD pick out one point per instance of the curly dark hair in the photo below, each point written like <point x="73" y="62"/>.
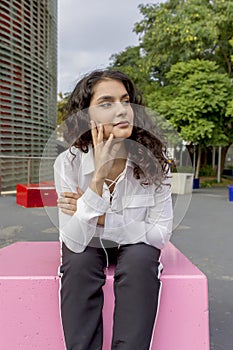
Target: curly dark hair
<point x="145" y="146"/>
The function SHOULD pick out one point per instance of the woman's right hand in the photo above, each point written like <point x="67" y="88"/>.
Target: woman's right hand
<point x="104" y="152"/>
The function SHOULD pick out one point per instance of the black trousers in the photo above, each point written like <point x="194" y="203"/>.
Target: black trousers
<point x="136" y="287"/>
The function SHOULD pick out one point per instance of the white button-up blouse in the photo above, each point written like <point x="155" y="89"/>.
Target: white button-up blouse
<point x="134" y="214"/>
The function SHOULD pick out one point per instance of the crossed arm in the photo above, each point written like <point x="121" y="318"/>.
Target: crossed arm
<point x="68" y="204"/>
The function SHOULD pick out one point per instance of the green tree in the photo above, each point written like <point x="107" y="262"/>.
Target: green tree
<point x="130" y="62"/>
<point x="62" y="106"/>
<point x="180" y="30"/>
<point x="197" y="102"/>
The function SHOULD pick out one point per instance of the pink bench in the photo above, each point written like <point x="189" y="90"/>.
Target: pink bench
<point x="29" y="307"/>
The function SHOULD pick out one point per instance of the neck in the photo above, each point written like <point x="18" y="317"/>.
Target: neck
<point x="122" y="153"/>
<point x="118" y="163"/>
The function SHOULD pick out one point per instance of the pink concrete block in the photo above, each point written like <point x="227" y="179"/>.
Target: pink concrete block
<point x="183" y="319"/>
<point x="29" y="304"/>
<point x="29" y="312"/>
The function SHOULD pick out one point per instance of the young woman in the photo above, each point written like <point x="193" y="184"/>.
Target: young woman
<point x="114" y="203"/>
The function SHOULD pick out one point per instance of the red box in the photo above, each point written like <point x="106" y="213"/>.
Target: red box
<point x="36" y="195"/>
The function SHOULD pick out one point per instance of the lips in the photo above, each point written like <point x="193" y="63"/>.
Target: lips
<point x="122" y="123"/>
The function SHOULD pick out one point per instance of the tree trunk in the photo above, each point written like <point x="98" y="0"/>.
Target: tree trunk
<point x="213" y="157"/>
<point x="205" y="157"/>
<point x="198" y="162"/>
<point x="219" y="164"/>
<point x="224" y="153"/>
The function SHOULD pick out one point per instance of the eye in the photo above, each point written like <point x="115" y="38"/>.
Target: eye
<point x="105" y="105"/>
<point x="126" y="102"/>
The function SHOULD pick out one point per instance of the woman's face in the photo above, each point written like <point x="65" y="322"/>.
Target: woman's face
<point x="110" y="106"/>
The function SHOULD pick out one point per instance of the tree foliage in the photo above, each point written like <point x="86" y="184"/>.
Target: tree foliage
<point x="195" y="101"/>
<point x="186" y="51"/>
<point x="180" y="30"/>
<point x="130" y="62"/>
<point x="62" y="107"/>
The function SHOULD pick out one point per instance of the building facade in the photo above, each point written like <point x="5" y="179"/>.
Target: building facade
<point x="28" y="85"/>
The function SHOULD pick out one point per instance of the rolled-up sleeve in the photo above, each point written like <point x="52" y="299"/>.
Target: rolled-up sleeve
<point x="77" y="230"/>
<point x="160" y="218"/>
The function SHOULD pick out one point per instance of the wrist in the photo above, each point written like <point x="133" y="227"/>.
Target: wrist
<point x="98" y="178"/>
<point x="97" y="185"/>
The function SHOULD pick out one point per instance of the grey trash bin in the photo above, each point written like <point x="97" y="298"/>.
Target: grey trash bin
<point x="181" y="183"/>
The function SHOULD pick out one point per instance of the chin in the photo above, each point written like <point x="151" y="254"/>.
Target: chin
<point x="124" y="133"/>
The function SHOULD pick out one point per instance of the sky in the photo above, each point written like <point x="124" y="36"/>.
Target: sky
<point x="89" y="32"/>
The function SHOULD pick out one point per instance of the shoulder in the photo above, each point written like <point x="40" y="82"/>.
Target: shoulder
<point x="67" y="158"/>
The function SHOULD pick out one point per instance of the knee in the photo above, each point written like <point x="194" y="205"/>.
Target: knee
<point x="139" y="261"/>
<point x="80" y="265"/>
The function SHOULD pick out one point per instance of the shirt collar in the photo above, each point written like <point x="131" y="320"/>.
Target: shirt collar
<point x="88" y="163"/>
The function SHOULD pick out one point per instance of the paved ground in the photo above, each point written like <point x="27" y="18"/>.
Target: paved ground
<point x="205" y="236"/>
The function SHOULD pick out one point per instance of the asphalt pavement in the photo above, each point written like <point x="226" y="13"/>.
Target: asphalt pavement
<point x="205" y="236"/>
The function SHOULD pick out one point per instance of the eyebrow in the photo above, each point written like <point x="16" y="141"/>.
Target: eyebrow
<point x="109" y="97"/>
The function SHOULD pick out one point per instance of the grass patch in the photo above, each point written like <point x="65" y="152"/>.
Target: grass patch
<point x="210" y="181"/>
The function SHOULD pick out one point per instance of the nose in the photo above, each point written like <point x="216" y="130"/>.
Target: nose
<point x="120" y="109"/>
